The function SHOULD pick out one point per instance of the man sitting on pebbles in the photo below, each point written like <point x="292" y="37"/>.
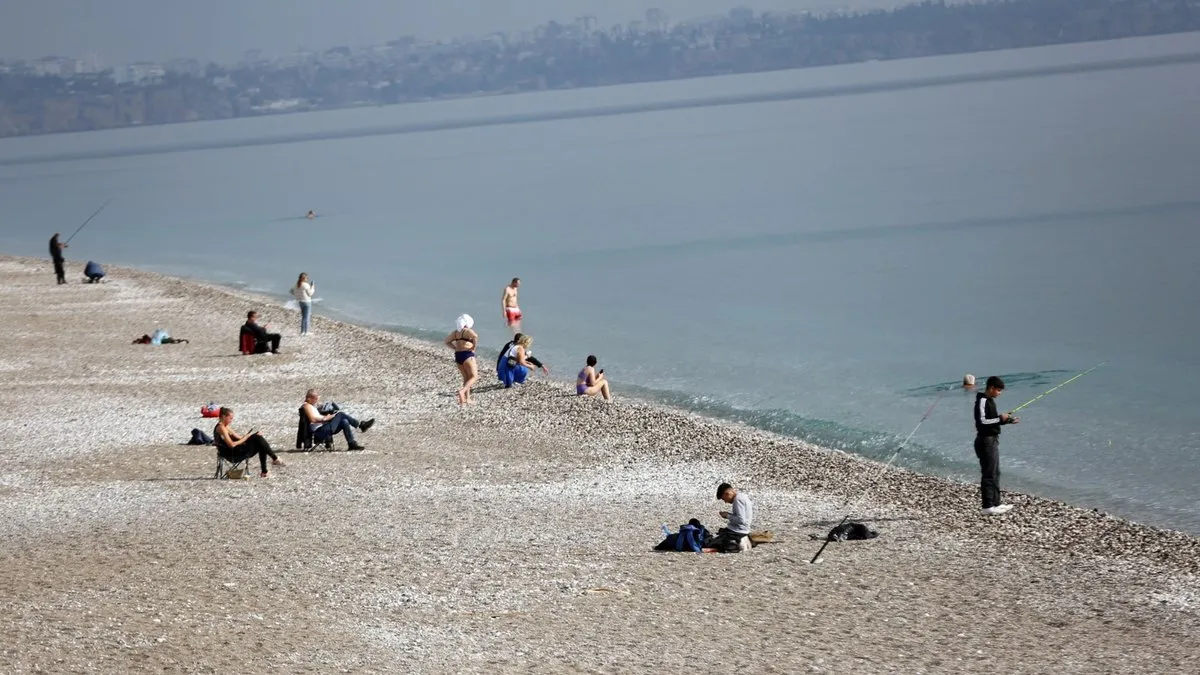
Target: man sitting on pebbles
<point x="263" y="341"/>
<point x="325" y="426"/>
<point x="734" y="537"/>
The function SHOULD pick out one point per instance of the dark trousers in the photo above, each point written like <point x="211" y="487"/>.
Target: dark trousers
<point x="987" y="449"/>
<point x="60" y="272"/>
<point x="256" y="445"/>
<point x="269" y="343"/>
<point x="340" y="422"/>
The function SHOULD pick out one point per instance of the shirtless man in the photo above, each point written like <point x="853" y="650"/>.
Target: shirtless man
<point x="508" y="304"/>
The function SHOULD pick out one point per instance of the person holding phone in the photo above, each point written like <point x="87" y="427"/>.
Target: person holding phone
<point x="590" y="381"/>
<point x="236" y="447"/>
<point x="303" y="292"/>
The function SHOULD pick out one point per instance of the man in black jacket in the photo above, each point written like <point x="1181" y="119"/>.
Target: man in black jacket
<point x="987" y="445"/>
<point x="263" y="341"/>
<point x="56" y="256"/>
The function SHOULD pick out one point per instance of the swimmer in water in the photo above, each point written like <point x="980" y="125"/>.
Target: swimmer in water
<point x="463" y="341"/>
<point x="311" y="215"/>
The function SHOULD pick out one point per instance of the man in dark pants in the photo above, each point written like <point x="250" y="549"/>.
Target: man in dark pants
<point x="987" y="445"/>
<point x="57" y="256"/>
<point x="263" y="341"/>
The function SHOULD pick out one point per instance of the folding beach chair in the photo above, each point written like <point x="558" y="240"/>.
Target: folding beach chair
<point x="228" y="468"/>
<point x="304" y="435"/>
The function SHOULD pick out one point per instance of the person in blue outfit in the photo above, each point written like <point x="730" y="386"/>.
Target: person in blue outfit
<point x="516" y="361"/>
<point x="94" y="272"/>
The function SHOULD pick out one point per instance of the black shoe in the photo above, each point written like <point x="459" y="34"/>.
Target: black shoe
<point x="356" y="446"/>
<point x="366" y="424"/>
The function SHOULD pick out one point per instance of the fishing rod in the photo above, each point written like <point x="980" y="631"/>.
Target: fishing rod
<point x="102" y="207"/>
<point x="871" y="483"/>
<point x="1058" y="386"/>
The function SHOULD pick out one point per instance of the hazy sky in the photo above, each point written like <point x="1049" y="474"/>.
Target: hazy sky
<point x="127" y="30"/>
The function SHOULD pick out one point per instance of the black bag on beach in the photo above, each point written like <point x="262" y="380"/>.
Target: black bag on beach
<point x="199" y="438"/>
<point x="851" y="531"/>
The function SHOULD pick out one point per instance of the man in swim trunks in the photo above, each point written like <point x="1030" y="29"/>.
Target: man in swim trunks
<point x="508" y="304"/>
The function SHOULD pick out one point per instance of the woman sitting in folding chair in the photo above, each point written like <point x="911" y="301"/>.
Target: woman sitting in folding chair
<point x="236" y="447"/>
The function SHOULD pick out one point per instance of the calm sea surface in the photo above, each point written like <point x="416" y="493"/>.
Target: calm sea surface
<point x="818" y="266"/>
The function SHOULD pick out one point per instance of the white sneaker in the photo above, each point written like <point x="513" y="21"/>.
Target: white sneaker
<point x="997" y="510"/>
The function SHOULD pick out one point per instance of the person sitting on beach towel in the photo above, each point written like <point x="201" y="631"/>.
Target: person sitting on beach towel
<point x="516" y="362"/>
<point x="93" y="272"/>
<point x="236" y="447"/>
<point x="735" y="536"/>
<point x="324" y="427"/>
<point x="263" y="341"/>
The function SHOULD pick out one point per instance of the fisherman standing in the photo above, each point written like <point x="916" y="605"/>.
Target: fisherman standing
<point x="56" y="255"/>
<point x="987" y="445"/>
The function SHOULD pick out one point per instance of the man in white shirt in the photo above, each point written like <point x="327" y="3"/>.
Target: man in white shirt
<point x="740" y="519"/>
<point x="324" y="427"/>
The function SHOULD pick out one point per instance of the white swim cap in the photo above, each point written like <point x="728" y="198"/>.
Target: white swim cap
<point x="968" y="379"/>
<point x="464" y="321"/>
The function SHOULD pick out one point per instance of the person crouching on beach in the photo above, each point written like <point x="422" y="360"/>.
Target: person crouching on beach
<point x="463" y="341"/>
<point x="236" y="447"/>
<point x="303" y="292"/>
<point x="590" y="382"/>
<point x="987" y="445"/>
<point x="517" y="362"/>
<point x="325" y="426"/>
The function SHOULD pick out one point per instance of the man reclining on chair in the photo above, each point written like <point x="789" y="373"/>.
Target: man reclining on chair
<point x="325" y="426"/>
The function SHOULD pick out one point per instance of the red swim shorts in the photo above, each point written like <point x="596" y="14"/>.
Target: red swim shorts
<point x="513" y="314"/>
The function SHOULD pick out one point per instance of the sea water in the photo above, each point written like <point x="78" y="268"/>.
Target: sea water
<point x="822" y="266"/>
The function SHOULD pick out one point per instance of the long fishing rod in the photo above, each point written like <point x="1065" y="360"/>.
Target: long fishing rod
<point x="1057" y="386"/>
<point x="871" y="483"/>
<point x="102" y="207"/>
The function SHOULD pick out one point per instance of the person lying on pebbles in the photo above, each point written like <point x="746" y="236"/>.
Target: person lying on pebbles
<point x="325" y="426"/>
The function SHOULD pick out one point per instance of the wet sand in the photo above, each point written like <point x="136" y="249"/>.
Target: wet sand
<point x="513" y="535"/>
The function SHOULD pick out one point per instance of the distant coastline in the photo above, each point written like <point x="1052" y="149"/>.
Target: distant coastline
<point x="52" y="97"/>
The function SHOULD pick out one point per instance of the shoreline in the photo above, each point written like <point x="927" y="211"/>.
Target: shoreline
<point x="476" y="539"/>
<point x="719" y="412"/>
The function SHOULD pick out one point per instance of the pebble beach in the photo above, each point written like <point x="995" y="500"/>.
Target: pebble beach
<point x="511" y="535"/>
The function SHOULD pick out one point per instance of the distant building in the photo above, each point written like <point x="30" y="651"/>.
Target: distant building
<point x="138" y="73"/>
<point x="656" y="20"/>
<point x="586" y="25"/>
<point x="55" y="66"/>
<point x="190" y="67"/>
<point x="741" y="15"/>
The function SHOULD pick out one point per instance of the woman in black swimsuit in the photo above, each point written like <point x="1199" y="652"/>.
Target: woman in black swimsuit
<point x="463" y="341"/>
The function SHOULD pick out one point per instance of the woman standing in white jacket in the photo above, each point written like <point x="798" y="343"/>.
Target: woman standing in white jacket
<point x="303" y="292"/>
